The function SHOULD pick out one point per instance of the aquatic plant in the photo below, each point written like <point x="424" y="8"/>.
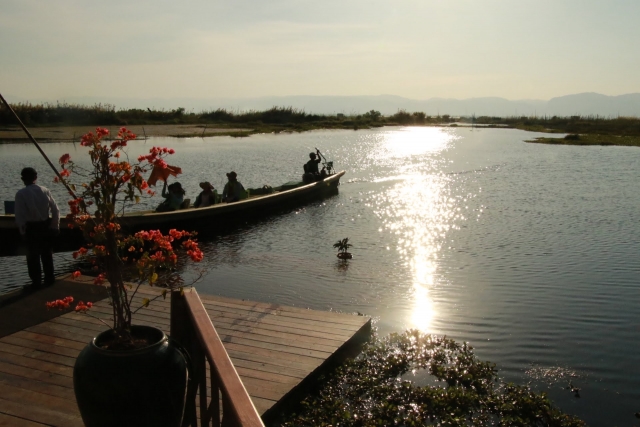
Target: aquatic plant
<point x="376" y="390"/>
<point x="110" y="186"/>
<point x="343" y="246"/>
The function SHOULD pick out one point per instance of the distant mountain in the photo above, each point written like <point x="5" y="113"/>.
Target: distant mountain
<point x="591" y="103"/>
<point x="578" y="104"/>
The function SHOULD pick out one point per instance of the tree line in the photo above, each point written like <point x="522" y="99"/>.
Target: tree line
<point x="64" y="114"/>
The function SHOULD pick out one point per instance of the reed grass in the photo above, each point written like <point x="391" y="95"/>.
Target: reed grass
<point x="289" y="119"/>
<point x="592" y="139"/>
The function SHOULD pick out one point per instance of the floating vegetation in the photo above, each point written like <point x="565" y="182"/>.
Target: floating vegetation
<point x="553" y="374"/>
<point x="343" y="246"/>
<point x="371" y="390"/>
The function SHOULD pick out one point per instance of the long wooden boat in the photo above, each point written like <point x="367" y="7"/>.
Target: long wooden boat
<point x="220" y="216"/>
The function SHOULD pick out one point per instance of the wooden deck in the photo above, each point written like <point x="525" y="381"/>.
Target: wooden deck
<point x="277" y="351"/>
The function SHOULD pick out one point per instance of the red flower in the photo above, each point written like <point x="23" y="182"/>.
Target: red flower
<point x="60" y="304"/>
<point x="64" y="159"/>
<point x="82" y="307"/>
<point x="75" y="274"/>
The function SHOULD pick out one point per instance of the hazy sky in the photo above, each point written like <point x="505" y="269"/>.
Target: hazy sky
<point x="516" y="49"/>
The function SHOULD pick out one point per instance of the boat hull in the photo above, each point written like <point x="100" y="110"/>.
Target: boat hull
<point x="216" y="218"/>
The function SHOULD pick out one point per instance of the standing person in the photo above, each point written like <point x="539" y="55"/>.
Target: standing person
<point x="233" y="190"/>
<point x="207" y="196"/>
<point x="33" y="205"/>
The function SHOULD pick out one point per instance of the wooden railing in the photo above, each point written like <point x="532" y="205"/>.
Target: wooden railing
<point x="192" y="328"/>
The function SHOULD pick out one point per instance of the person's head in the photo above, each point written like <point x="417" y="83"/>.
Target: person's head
<point x="206" y="186"/>
<point x="29" y="175"/>
<point x="312" y="156"/>
<point x="232" y="176"/>
<point x="176" y="188"/>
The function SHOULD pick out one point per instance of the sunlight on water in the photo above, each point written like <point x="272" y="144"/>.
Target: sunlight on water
<point x="418" y="211"/>
<point x="415" y="141"/>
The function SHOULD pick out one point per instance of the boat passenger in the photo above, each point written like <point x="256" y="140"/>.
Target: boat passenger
<point x="33" y="205"/>
<point x="207" y="196"/>
<point x="233" y="190"/>
<point x="311" y="173"/>
<point x="173" y="197"/>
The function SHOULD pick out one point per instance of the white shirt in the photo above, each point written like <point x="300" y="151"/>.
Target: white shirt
<point x="33" y="204"/>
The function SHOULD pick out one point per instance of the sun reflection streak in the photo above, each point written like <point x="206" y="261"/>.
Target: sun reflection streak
<point x="413" y="141"/>
<point x="419" y="210"/>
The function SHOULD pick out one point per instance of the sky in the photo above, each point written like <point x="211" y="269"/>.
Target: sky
<point x="515" y="49"/>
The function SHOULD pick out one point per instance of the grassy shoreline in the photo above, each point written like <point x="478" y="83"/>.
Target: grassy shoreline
<point x="66" y="123"/>
<point x="591" y="140"/>
<point x="55" y="134"/>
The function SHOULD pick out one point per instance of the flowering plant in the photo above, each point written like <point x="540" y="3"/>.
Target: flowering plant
<point x="113" y="184"/>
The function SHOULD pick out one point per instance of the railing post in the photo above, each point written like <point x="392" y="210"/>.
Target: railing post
<point x="214" y="406"/>
<point x="207" y="349"/>
<point x="181" y="331"/>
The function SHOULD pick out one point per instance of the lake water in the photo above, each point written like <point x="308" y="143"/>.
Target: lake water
<point x="529" y="252"/>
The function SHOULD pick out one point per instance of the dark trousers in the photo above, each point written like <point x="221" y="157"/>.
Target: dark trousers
<point x="39" y="249"/>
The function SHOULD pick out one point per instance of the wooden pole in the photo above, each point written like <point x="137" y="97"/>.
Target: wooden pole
<point x="24" y="128"/>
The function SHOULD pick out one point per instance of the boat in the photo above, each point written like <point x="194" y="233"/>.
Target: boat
<point x="220" y="216"/>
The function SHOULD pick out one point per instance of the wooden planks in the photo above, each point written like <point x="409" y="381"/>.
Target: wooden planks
<point x="276" y="350"/>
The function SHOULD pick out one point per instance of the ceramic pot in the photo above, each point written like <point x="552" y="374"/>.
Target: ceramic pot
<point x="142" y="387"/>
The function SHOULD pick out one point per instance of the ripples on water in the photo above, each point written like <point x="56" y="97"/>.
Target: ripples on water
<point x="527" y="251"/>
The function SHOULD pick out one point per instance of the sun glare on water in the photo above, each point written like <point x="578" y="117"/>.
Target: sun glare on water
<point x="419" y="211"/>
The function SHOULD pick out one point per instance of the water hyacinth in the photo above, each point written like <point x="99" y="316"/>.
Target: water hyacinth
<point x="372" y="390"/>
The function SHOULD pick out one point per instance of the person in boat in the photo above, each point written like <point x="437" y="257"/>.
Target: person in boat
<point x="207" y="196"/>
<point x="311" y="172"/>
<point x="33" y="205"/>
<point x="233" y="190"/>
<point x="173" y="197"/>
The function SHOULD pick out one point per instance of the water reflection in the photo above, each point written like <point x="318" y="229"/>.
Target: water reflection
<point x="413" y="141"/>
<point x="418" y="210"/>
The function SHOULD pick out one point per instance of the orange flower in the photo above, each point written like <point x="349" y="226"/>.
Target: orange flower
<point x="82" y="307"/>
<point x="60" y="304"/>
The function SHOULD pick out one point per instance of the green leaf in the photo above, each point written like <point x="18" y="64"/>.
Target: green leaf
<point x="145" y="302"/>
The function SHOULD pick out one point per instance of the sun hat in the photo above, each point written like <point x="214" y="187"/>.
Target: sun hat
<point x="206" y="184"/>
<point x="232" y="175"/>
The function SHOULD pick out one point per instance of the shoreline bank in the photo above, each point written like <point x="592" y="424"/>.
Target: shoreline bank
<point x="48" y="134"/>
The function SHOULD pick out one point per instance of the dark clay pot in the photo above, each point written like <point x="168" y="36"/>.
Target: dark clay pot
<point x="142" y="387"/>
